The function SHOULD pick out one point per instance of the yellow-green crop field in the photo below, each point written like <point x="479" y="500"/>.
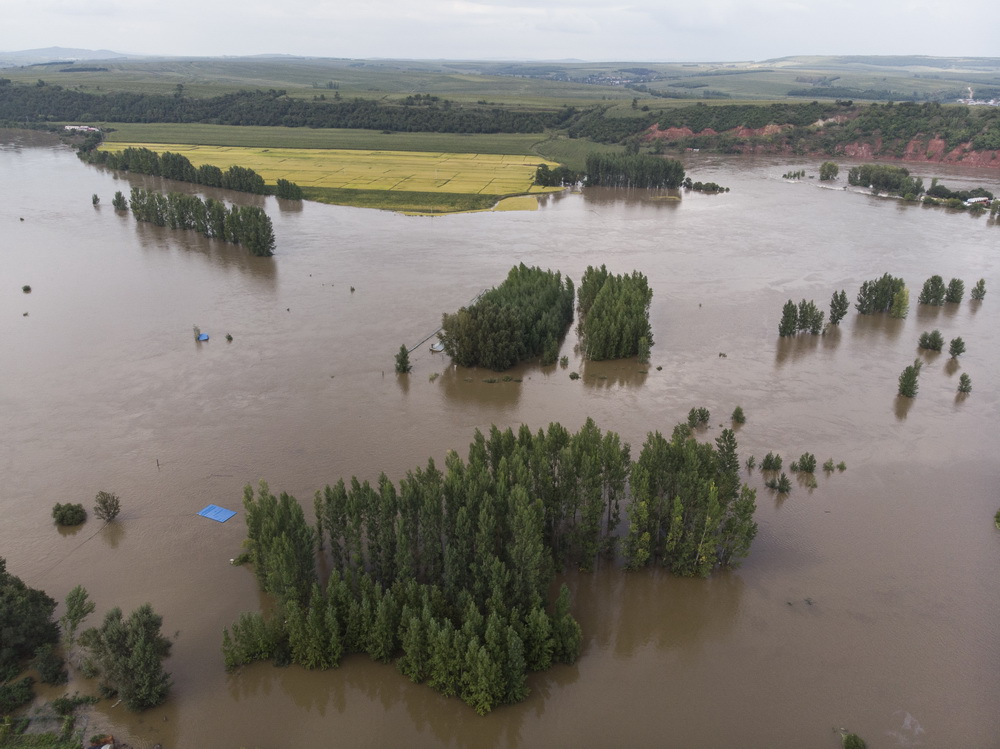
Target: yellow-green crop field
<point x="415" y="171"/>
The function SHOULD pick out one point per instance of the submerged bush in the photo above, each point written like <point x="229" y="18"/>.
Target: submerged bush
<point x="69" y="514"/>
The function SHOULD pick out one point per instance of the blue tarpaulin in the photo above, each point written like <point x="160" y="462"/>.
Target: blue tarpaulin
<point x="203" y="337"/>
<point x="214" y="512"/>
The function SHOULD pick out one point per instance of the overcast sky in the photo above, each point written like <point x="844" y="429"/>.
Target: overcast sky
<point x="654" y="30"/>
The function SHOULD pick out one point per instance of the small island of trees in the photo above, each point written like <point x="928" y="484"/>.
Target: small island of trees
<point x="614" y="312"/>
<point x="523" y="317"/>
<point x="448" y="574"/>
<point x="245" y="225"/>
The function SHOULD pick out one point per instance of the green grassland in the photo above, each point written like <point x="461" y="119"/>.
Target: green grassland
<point x="523" y="85"/>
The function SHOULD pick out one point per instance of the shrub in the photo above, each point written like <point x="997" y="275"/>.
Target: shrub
<point x="828" y="466"/>
<point x="841" y="466"/>
<point x="574" y="375"/>
<point x="932" y="341"/>
<point x="957" y="347"/>
<point x="771" y="462"/>
<point x="107" y="506"/>
<point x="807" y="463"/>
<point x="751" y="463"/>
<point x="738" y="416"/>
<point x="14" y="694"/>
<point x="95" y="198"/>
<point x="49" y="664"/>
<point x="698" y="417"/>
<point x="26" y="289"/>
<point x="965" y="384"/>
<point x="69" y="514"/>
<point x="978" y="291"/>
<point x="853" y="741"/>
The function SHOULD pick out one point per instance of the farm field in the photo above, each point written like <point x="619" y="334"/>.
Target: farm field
<point x="301" y="137"/>
<point x="478" y="174"/>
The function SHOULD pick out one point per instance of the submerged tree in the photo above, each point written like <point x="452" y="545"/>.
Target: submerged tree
<point x="957" y="347"/>
<point x="932" y="341"/>
<point x="979" y="290"/>
<point x="955" y="292"/>
<point x="908" y="380"/>
<point x="789" y="324"/>
<point x="828" y="170"/>
<point x="128" y="655"/>
<point x="403" y="365"/>
<point x="965" y="384"/>
<point x="933" y="292"/>
<point x="839" y="305"/>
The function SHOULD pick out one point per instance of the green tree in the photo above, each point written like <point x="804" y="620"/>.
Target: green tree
<point x="789" y="324"/>
<point x="78" y="607"/>
<point x="738" y="416"/>
<point x="933" y="292"/>
<point x="839" y="305"/>
<point x="119" y="202"/>
<point x="908" y="380"/>
<point x="128" y="654"/>
<point x="107" y="506"/>
<point x="965" y="384"/>
<point x="957" y="347"/>
<point x="979" y="290"/>
<point x="828" y="170"/>
<point x="69" y="514"/>
<point x="25" y="621"/>
<point x="955" y="292"/>
<point x="932" y="341"/>
<point x="900" y="303"/>
<point x="403" y="365"/>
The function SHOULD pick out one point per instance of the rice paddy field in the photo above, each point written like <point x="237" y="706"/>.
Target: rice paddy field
<point x="416" y="171"/>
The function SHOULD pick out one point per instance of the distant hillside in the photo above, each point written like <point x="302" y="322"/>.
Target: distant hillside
<point x="55" y="54"/>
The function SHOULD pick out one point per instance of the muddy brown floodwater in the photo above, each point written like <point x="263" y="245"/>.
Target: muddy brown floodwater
<point x="870" y="603"/>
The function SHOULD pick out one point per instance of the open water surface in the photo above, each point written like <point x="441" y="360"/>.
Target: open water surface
<point x="870" y="603"/>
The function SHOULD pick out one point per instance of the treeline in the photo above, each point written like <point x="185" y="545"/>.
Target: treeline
<point x="448" y="574"/>
<point x="245" y="225"/>
<point x="177" y="166"/>
<point x="269" y="108"/>
<point x="633" y="170"/>
<point x="895" y="180"/>
<point x="561" y="176"/>
<point x="889" y="127"/>
<point x="614" y="312"/>
<point x="940" y="191"/>
<point x="525" y="316"/>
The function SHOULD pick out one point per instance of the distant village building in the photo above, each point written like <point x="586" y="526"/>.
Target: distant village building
<point x="81" y="129"/>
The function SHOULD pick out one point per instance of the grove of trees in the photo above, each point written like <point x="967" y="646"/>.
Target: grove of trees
<point x="448" y="573"/>
<point x="523" y="317"/>
<point x="614" y="314"/>
<point x="885" y="294"/>
<point x="895" y="180"/>
<point x="246" y="225"/>
<point x="633" y="170"/>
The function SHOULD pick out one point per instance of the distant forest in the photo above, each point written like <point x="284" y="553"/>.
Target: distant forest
<point x="41" y="103"/>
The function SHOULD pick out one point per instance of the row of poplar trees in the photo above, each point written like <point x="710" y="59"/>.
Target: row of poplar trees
<point x="448" y="573"/>
<point x="614" y="312"/>
<point x="525" y="316"/>
<point x="244" y="225"/>
<point x="179" y="167"/>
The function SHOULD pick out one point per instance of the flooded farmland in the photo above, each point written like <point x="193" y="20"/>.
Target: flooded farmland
<point x="868" y="603"/>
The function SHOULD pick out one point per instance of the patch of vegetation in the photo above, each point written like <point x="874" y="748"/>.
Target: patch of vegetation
<point x="771" y="462"/>
<point x="931" y="341"/>
<point x="880" y="295"/>
<point x="69" y="514"/>
<point x="523" y="317"/>
<point x="908" y="380"/>
<point x="107" y="506"/>
<point x="964" y="384"/>
<point x="698" y="417"/>
<point x="614" y="312"/>
<point x="403" y="365"/>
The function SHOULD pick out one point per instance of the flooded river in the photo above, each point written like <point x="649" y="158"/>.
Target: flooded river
<point x="869" y="603"/>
